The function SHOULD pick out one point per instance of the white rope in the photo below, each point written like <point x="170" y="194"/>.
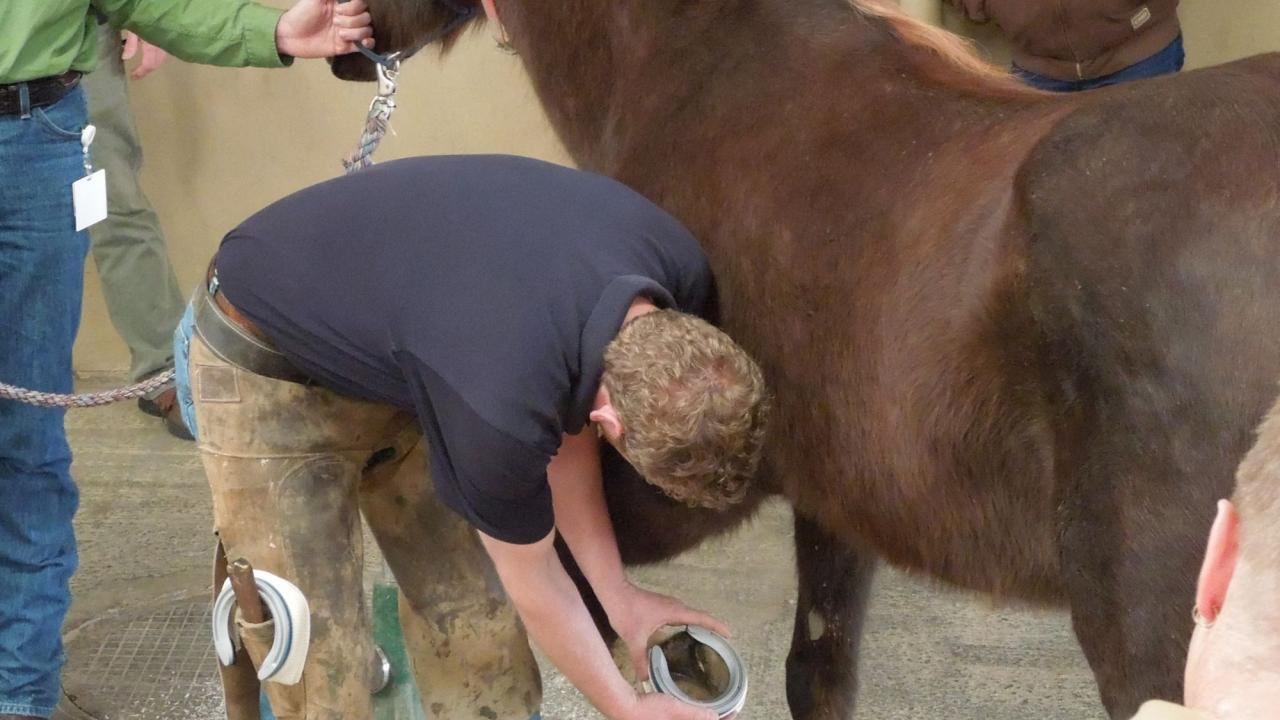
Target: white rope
<point x="106" y="397"/>
<point x="376" y="126"/>
<point x="378" y="122"/>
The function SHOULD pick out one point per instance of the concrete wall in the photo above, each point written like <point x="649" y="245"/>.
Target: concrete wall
<point x="223" y="143"/>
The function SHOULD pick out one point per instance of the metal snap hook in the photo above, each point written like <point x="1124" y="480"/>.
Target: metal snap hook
<point x="388" y="74"/>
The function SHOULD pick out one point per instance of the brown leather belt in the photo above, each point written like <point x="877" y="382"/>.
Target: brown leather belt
<point x="41" y="92"/>
<point x="234" y="315"/>
<point x="235" y="338"/>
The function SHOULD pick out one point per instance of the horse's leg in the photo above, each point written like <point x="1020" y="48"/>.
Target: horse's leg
<point x="835" y="582"/>
<point x="1131" y="546"/>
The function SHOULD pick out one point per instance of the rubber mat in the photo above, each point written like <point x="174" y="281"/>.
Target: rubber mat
<point x="156" y="664"/>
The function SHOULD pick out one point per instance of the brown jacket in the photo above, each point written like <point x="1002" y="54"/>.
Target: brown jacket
<point x="1079" y="39"/>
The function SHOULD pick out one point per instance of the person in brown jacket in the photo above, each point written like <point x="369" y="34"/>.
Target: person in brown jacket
<point x="1071" y="45"/>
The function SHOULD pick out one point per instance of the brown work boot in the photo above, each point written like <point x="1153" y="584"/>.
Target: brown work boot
<point x="150" y="403"/>
<point x="164" y="405"/>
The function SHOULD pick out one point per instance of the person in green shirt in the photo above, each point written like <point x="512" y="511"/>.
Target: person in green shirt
<point x="45" y="46"/>
<point x="143" y="296"/>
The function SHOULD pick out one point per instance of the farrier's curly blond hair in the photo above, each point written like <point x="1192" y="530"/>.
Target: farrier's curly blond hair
<point x="693" y="407"/>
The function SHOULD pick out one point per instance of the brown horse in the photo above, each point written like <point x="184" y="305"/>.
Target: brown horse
<point x="1019" y="341"/>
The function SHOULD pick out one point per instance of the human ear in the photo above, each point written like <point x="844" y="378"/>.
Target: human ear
<point x="606" y="416"/>
<point x="1219" y="563"/>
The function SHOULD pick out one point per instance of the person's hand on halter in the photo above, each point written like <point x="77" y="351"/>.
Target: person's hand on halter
<point x="152" y="56"/>
<point x="324" y="28"/>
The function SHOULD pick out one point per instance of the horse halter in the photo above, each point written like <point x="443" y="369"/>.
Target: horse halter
<point x="378" y="120"/>
<point x="390" y="62"/>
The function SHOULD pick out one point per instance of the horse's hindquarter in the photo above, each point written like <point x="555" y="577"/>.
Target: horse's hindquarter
<point x="1154" y="276"/>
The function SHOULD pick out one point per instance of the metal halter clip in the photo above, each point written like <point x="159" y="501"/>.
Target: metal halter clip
<point x="388" y="73"/>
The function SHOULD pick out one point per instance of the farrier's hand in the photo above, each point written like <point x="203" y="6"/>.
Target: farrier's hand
<point x="654" y="706"/>
<point x="152" y="56"/>
<point x="324" y="28"/>
<point x="636" y="614"/>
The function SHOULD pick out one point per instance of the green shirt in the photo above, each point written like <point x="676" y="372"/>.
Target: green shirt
<point x="39" y="38"/>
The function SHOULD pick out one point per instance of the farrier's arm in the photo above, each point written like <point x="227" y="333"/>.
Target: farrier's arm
<point x="582" y="518"/>
<point x="558" y="621"/>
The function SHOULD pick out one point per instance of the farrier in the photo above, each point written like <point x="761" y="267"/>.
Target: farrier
<point x="501" y="316"/>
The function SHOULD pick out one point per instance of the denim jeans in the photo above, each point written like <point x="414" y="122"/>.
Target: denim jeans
<point x="182" y="371"/>
<point x="1165" y="62"/>
<point x="41" y="278"/>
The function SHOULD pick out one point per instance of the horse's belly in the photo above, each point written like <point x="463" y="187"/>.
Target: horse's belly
<point x="1001" y="544"/>
<point x="956" y="482"/>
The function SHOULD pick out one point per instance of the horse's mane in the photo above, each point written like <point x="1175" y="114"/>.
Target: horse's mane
<point x="955" y="51"/>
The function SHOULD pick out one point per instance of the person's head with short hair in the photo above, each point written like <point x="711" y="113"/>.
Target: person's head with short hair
<point x="685" y="406"/>
<point x="1233" y="668"/>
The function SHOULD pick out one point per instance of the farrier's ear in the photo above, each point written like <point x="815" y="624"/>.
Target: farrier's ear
<point x="606" y="416"/>
<point x="1219" y="562"/>
<point x="490" y="11"/>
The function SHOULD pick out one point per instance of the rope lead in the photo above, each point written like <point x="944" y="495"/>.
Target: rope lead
<point x="57" y="400"/>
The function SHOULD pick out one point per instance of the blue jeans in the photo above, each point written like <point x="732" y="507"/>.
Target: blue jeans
<point x="41" y="278"/>
<point x="182" y="372"/>
<point x="1166" y="62"/>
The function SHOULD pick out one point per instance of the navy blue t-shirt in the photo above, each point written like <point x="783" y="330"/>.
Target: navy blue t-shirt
<point x="477" y="292"/>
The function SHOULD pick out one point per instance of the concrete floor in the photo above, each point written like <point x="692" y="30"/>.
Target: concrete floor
<point x="144" y="527"/>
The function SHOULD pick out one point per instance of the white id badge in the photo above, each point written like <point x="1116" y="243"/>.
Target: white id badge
<point x="89" y="195"/>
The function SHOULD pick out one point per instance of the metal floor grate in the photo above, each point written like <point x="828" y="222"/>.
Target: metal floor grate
<point x="156" y="665"/>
